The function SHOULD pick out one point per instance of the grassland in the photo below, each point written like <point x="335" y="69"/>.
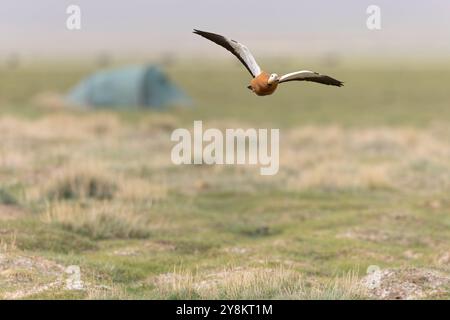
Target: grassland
<point x="364" y="181"/>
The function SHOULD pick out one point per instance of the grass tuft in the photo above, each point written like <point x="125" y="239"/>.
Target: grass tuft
<point x="97" y="223"/>
<point x="84" y="182"/>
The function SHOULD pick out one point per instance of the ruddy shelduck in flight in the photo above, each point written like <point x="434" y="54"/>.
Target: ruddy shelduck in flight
<point x="264" y="84"/>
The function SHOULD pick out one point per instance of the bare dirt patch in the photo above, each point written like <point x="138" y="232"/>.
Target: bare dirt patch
<point x="407" y="284"/>
<point x="22" y="276"/>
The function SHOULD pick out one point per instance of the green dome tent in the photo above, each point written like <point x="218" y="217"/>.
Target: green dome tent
<point x="144" y="86"/>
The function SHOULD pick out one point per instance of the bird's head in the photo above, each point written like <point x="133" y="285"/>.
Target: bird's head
<point x="273" y="78"/>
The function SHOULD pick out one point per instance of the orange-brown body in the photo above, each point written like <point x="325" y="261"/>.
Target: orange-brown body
<point x="260" y="85"/>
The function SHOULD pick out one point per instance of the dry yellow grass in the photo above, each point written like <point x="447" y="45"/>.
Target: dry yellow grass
<point x="255" y="283"/>
<point x="365" y="158"/>
<point x="310" y="157"/>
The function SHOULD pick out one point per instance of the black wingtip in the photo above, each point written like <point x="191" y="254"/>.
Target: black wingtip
<point x="335" y="82"/>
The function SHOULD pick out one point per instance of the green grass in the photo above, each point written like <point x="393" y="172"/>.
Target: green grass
<point x="364" y="180"/>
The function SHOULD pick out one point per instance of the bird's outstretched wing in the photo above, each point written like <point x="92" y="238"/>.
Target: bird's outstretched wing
<point x="239" y="50"/>
<point x="306" y="75"/>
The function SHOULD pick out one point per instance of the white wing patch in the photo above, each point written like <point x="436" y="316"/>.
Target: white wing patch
<point x="237" y="49"/>
<point x="306" y="75"/>
<point x="247" y="56"/>
<point x="298" y="75"/>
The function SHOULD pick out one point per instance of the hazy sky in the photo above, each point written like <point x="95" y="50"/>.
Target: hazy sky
<point x="278" y="27"/>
